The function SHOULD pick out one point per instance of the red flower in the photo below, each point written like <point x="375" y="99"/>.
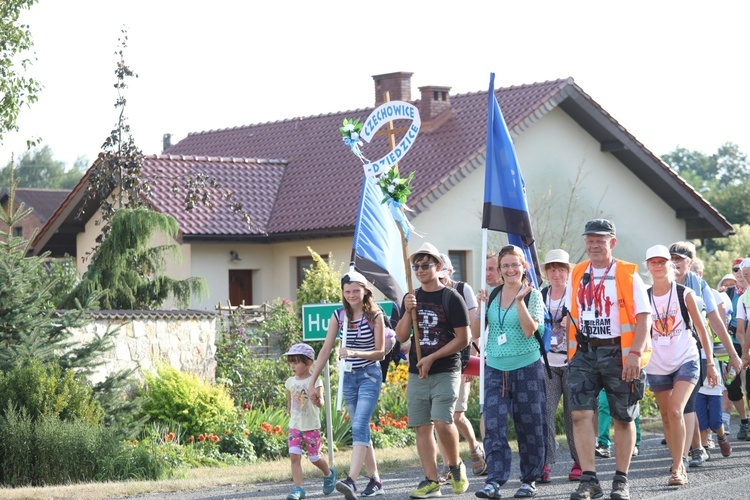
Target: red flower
<point x="169" y="437"/>
<point x="202" y="437"/>
<point x="226" y="431"/>
<point x="191" y="439"/>
<point x="246" y="406"/>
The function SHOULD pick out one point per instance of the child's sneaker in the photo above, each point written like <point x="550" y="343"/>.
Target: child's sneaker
<point x="725" y="447"/>
<point x="546" y="476"/>
<point x="347" y="488"/>
<point x="527" y="490"/>
<point x="329" y="482"/>
<point x="298" y="493"/>
<point x="374" y="488"/>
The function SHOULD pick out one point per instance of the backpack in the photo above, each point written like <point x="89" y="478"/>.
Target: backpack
<point x="389" y="333"/>
<point x="544" y="340"/>
<point x="548" y="321"/>
<point x="466" y="351"/>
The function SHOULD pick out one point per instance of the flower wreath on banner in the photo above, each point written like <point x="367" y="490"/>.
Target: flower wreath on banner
<point x="395" y="188"/>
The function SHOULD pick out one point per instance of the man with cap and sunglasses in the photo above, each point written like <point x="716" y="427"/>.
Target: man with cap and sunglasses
<point x="434" y="375"/>
<point x="607" y="344"/>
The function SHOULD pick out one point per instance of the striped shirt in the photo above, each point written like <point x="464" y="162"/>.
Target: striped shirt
<point x="359" y="337"/>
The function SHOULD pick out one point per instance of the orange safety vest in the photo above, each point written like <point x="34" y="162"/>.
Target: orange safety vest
<point x="624" y="272"/>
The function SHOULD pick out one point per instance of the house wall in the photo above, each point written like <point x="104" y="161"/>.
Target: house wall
<point x="28" y="224"/>
<point x="274" y="267"/>
<point x="552" y="155"/>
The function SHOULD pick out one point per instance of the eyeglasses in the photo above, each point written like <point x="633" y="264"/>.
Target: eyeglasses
<point x="423" y="267"/>
<point x="515" y="265"/>
<point x="735" y="269"/>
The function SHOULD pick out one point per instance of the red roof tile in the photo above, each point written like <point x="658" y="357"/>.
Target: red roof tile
<point x="253" y="183"/>
<point x="43" y="201"/>
<point x="321" y="184"/>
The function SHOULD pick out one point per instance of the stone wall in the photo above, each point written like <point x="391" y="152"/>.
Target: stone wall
<point x="185" y="340"/>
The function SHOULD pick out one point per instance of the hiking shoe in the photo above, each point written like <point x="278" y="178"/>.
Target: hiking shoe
<point x="374" y="488"/>
<point x="664" y="441"/>
<point x="696" y="457"/>
<point x="460" y="482"/>
<point x="527" y="490"/>
<point x="347" y="488"/>
<point x="546" y="475"/>
<point x="706" y="455"/>
<point x="589" y="488"/>
<point x="329" y="482"/>
<point x="426" y="489"/>
<point x="478" y="464"/>
<point x="490" y="490"/>
<point x="677" y="478"/>
<point x="602" y="451"/>
<point x="444" y="476"/>
<point x="725" y="447"/>
<point x="298" y="493"/>
<point x="575" y="472"/>
<point x="685" y="464"/>
<point x="636" y="451"/>
<point x="620" y="488"/>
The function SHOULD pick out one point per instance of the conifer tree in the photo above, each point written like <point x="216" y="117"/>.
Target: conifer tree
<point x="127" y="273"/>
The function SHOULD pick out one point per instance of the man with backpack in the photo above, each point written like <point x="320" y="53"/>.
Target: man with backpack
<point x="465" y="429"/>
<point x="434" y="368"/>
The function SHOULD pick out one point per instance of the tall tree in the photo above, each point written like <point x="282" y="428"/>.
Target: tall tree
<point x="118" y="180"/>
<point x="16" y="88"/>
<point x="39" y="169"/>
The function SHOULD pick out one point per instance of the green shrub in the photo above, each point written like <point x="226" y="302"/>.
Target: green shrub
<point x="183" y="402"/>
<point x="16" y="447"/>
<point x="67" y="451"/>
<point x="47" y="389"/>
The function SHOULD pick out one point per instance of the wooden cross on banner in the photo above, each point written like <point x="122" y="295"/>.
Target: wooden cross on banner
<point x="391" y="132"/>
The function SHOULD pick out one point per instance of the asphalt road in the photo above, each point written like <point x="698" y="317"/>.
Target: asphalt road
<point x="720" y="478"/>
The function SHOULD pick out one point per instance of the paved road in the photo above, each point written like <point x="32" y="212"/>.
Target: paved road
<point x="718" y="479"/>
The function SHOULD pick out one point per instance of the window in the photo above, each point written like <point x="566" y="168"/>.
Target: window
<point x="302" y="264"/>
<point x="18" y="231"/>
<point x="458" y="259"/>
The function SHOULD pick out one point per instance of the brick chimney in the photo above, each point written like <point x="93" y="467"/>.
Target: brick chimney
<point x="434" y="101"/>
<point x="398" y="84"/>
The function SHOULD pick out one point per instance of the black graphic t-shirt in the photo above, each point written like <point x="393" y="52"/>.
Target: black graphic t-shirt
<point x="436" y="329"/>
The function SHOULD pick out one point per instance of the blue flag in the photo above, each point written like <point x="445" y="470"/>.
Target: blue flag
<point x="377" y="252"/>
<point x="505" y="207"/>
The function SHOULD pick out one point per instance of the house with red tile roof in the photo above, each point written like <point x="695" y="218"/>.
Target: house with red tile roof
<point x="43" y="203"/>
<point x="301" y="186"/>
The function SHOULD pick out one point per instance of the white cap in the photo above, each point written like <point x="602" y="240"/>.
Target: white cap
<point x="658" y="251"/>
<point x="726" y="277"/>
<point x="745" y="263"/>
<point x="447" y="266"/>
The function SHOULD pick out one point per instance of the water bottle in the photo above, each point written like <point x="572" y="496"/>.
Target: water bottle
<point x="730" y="375"/>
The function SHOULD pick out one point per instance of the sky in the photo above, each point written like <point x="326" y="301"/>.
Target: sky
<point x="672" y="73"/>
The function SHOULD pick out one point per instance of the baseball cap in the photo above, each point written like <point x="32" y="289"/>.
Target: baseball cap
<point x="429" y="249"/>
<point x="302" y="349"/>
<point x="599" y="226"/>
<point x="658" y="251"/>
<point x="447" y="266"/>
<point x="737" y="261"/>
<point x="354" y="277"/>
<point x="557" y="255"/>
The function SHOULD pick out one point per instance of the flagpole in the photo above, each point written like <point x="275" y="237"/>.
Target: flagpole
<point x="404" y="243"/>
<point x="482" y="319"/>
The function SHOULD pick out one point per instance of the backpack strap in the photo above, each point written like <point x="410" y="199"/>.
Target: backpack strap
<point x="460" y="288"/>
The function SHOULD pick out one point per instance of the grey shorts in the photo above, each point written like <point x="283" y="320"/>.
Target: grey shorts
<point x="462" y="402"/>
<point x="601" y="368"/>
<point x="432" y="398"/>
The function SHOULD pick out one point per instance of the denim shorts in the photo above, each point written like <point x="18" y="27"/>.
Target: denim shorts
<point x="688" y="372"/>
<point x="361" y="393"/>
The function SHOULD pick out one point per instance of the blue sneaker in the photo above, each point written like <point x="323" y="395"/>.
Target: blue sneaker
<point x="329" y="482"/>
<point x="298" y="493"/>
